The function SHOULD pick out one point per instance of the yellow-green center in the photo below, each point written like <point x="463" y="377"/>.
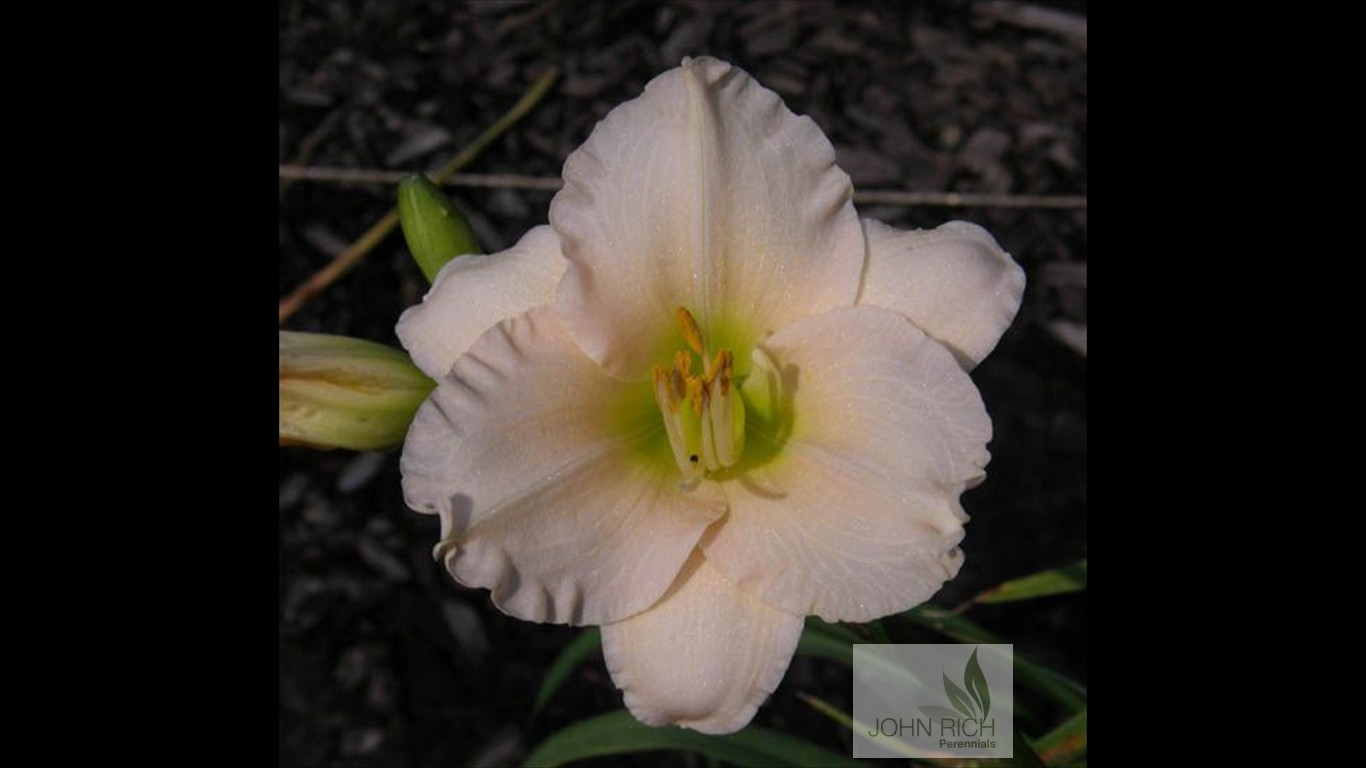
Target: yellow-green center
<point x="703" y="414"/>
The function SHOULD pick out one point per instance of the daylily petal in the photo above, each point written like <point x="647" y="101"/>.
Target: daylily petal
<point x="856" y="514"/>
<point x="472" y="293"/>
<point x="544" y="495"/>
<point x="705" y="657"/>
<point x="953" y="281"/>
<point x="705" y="192"/>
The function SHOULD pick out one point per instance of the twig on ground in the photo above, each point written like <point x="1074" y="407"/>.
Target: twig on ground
<point x="370" y="177"/>
<point x="373" y="236"/>
<point x="310" y="144"/>
<point x="364" y="176"/>
<point x="1069" y="26"/>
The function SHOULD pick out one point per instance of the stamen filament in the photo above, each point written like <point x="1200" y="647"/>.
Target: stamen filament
<point x="703" y="415"/>
<point x="727" y="438"/>
<point x="669" y="403"/>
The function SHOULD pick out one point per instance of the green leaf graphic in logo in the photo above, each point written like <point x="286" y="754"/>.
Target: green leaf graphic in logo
<point x="976" y="683"/>
<point x="958" y="699"/>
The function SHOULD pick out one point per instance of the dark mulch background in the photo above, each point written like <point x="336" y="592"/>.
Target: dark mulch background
<point x="383" y="659"/>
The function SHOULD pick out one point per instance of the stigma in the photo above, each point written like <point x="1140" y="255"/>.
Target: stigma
<point x="703" y="413"/>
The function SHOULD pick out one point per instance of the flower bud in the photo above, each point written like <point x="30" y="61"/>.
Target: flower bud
<point x="340" y="392"/>
<point x="433" y="227"/>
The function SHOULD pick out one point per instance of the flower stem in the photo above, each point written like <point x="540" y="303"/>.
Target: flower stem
<point x="348" y="258"/>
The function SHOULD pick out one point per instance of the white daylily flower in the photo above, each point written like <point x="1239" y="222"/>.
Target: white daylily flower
<point x="706" y="401"/>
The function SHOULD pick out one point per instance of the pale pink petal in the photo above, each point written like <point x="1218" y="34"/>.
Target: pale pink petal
<point x="705" y="192"/>
<point x="536" y="461"/>
<point x="472" y="293"/>
<point x="953" y="281"/>
<point x="846" y="504"/>
<point x="705" y="657"/>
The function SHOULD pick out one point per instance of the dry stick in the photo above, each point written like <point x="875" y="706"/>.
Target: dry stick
<point x="369" y="177"/>
<point x="363" y="176"/>
<point x="373" y="236"/>
<point x="967" y="199"/>
<point x="1032" y="17"/>
<point x="310" y="143"/>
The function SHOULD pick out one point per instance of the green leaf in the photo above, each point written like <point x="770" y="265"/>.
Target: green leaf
<point x="958" y="699"/>
<point x="822" y="640"/>
<point x="1024" y="757"/>
<point x="618" y="733"/>
<point x="1062" y="690"/>
<point x="432" y="225"/>
<point x="878" y="633"/>
<point x="836" y="642"/>
<point x="976" y="683"/>
<point x="1066" y="744"/>
<point x="1025" y="754"/>
<point x="1058" y="581"/>
<point x="829" y="710"/>
<point x="825" y="647"/>
<point x="847" y="720"/>
<point x="838" y="631"/>
<point x="581" y="648"/>
<point x="876" y="660"/>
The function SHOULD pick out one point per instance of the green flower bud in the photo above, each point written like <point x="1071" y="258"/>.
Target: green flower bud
<point x="434" y="229"/>
<point x="339" y="392"/>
